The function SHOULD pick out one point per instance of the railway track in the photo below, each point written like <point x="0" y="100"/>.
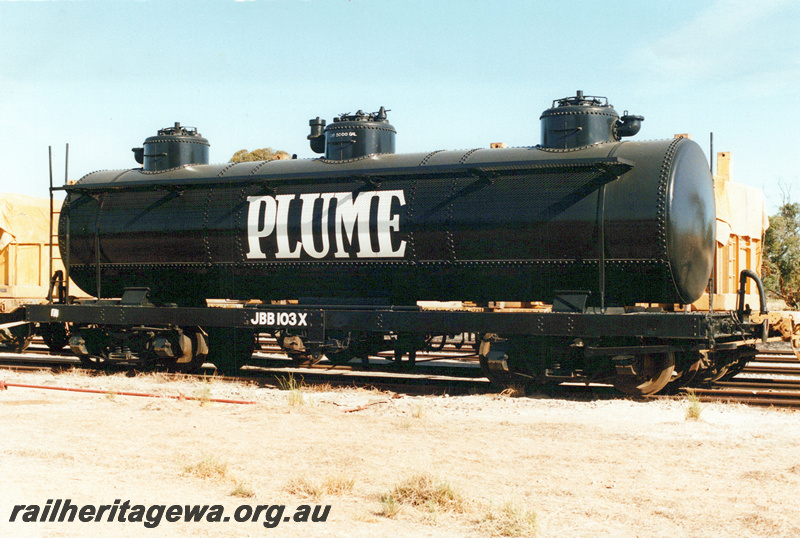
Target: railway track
<point x="412" y="385"/>
<point x="762" y="397"/>
<point x="773" y="379"/>
<point x="446" y="372"/>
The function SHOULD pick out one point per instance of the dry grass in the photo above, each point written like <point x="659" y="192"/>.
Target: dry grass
<point x="242" y="490"/>
<point x="295" y="388"/>
<point x="209" y="467"/>
<point x="573" y="474"/>
<point x="295" y="397"/>
<point x="514" y="391"/>
<point x="327" y="387"/>
<point x="289" y="382"/>
<point x="510" y="520"/>
<point x="164" y="377"/>
<point x="203" y="392"/>
<point x="424" y="490"/>
<point x="338" y="484"/>
<point x="694" y="409"/>
<point x="304" y="487"/>
<point x="292" y="384"/>
<point x="389" y="506"/>
<point x="335" y="485"/>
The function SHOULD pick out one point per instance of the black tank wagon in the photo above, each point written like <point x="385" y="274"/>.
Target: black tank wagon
<point x="332" y="255"/>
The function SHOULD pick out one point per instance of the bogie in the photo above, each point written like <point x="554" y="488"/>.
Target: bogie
<point x="175" y="349"/>
<point x="16" y="338"/>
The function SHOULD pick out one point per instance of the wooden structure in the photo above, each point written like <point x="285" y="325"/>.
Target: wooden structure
<point x="740" y="225"/>
<point x="25" y="249"/>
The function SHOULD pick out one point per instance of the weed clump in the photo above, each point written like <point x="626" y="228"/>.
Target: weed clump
<point x="694" y="409"/>
<point x="424" y="490"/>
<point x="203" y="393"/>
<point x="517" y="390"/>
<point x="509" y="520"/>
<point x="295" y="388"/>
<point x="242" y="490"/>
<point x="314" y="489"/>
<point x="389" y="506"/>
<point x="209" y="467"/>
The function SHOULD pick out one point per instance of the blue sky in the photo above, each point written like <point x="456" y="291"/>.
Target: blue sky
<point x="104" y="75"/>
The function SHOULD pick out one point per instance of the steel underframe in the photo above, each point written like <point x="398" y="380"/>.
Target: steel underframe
<point x="318" y="321"/>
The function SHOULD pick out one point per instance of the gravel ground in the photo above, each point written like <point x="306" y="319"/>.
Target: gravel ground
<point x="497" y="465"/>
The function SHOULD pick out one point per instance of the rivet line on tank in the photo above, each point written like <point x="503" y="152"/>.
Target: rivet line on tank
<point x="429" y="156"/>
<point x="224" y="170"/>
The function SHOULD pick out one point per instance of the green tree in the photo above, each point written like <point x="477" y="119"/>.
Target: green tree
<point x="781" y="266"/>
<point x="263" y="154"/>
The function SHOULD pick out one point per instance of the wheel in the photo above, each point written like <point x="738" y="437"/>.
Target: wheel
<point x="687" y="365"/>
<point x="95" y="345"/>
<point x="723" y="365"/>
<point x="230" y="349"/>
<point x="55" y="336"/>
<point x="17" y="338"/>
<point x="689" y="372"/>
<point x="710" y="374"/>
<point x="736" y="361"/>
<point x="195" y="345"/>
<point x="650" y="374"/>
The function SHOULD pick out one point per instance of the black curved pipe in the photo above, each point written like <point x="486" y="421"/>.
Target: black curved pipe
<point x="762" y="295"/>
<point x="57" y="291"/>
<point x="317" y="136"/>
<point x="629" y="125"/>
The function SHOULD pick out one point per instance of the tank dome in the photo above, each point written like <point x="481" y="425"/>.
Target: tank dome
<point x="584" y="120"/>
<point x="351" y="136"/>
<point x="172" y="147"/>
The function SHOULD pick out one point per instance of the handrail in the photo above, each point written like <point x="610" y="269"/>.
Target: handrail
<point x="762" y="295"/>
